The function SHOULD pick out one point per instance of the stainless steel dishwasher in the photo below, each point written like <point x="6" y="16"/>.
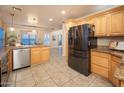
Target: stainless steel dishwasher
<point x="21" y="58"/>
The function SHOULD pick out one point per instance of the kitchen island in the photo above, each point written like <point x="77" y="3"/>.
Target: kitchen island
<point x="38" y="54"/>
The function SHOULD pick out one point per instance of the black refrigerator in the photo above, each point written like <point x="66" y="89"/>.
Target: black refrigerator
<point x="80" y="40"/>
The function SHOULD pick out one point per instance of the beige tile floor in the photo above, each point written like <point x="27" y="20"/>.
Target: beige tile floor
<point x="54" y="73"/>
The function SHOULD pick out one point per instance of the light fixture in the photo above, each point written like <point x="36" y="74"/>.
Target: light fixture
<point x="12" y="25"/>
<point x="34" y="31"/>
<point x="63" y="12"/>
<point x="50" y="19"/>
<point x="32" y="19"/>
<point x="12" y="29"/>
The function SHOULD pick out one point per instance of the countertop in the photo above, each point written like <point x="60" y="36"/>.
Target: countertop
<point x="119" y="72"/>
<point x="104" y="49"/>
<point x="28" y="46"/>
<point x="5" y="50"/>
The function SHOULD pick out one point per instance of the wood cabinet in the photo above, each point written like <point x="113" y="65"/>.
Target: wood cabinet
<point x="117" y="23"/>
<point x="40" y="55"/>
<point x="45" y="54"/>
<point x="108" y="23"/>
<point x="100" y="63"/>
<point x="35" y="55"/>
<point x="115" y="61"/>
<point x="10" y="60"/>
<point x="122" y="83"/>
<point x="5" y="27"/>
<point x="1" y="23"/>
<point x="100" y="25"/>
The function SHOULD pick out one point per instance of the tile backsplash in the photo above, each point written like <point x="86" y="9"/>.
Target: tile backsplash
<point x="104" y="41"/>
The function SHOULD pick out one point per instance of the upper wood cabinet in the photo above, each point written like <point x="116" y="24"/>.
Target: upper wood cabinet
<point x="117" y="23"/>
<point x="100" y="25"/>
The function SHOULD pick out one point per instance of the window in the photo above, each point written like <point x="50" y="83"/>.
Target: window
<point x="46" y="39"/>
<point x="28" y="38"/>
<point x="2" y="37"/>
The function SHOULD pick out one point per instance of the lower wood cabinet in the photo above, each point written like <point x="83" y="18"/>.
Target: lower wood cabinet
<point x="122" y="83"/>
<point x="40" y="55"/>
<point x="100" y="63"/>
<point x="10" y="62"/>
<point x="100" y="70"/>
<point x="35" y="56"/>
<point x="115" y="62"/>
<point x="105" y="64"/>
<point x="45" y="54"/>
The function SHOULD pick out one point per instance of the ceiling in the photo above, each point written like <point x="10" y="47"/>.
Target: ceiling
<point x="42" y="13"/>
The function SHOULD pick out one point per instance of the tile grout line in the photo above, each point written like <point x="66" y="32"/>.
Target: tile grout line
<point x="64" y="73"/>
<point x="15" y="78"/>
<point x="33" y="77"/>
<point x="50" y="77"/>
<point x="92" y="82"/>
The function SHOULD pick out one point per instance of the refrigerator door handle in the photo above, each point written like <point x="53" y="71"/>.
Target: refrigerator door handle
<point x="89" y="43"/>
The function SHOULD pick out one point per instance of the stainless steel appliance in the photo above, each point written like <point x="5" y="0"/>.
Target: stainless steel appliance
<point x="21" y="58"/>
<point x="80" y="40"/>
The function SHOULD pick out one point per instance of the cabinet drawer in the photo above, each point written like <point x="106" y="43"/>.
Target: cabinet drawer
<point x="116" y="59"/>
<point x="101" y="61"/>
<point x="100" y="70"/>
<point x="100" y="54"/>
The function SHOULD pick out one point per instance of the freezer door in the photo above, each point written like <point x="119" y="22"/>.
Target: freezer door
<point x="21" y="58"/>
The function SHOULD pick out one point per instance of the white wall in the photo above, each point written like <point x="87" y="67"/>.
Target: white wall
<point x="54" y="43"/>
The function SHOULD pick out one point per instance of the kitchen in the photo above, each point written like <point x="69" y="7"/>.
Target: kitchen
<point x="36" y="55"/>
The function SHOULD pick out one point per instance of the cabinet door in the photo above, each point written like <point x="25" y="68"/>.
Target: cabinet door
<point x="117" y="23"/>
<point x="122" y="83"/>
<point x="45" y="54"/>
<point x="115" y="81"/>
<point x="35" y="57"/>
<point x="100" y="26"/>
<point x="10" y="60"/>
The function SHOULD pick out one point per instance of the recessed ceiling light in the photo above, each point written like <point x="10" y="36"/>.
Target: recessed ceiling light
<point x="12" y="29"/>
<point x="33" y="31"/>
<point x="50" y="19"/>
<point x="63" y="12"/>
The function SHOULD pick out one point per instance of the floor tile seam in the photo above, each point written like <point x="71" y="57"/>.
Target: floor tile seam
<point x="33" y="78"/>
<point x="70" y="80"/>
<point x="15" y="78"/>
<point x="92" y="82"/>
<point x="50" y="77"/>
<point x="25" y="78"/>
